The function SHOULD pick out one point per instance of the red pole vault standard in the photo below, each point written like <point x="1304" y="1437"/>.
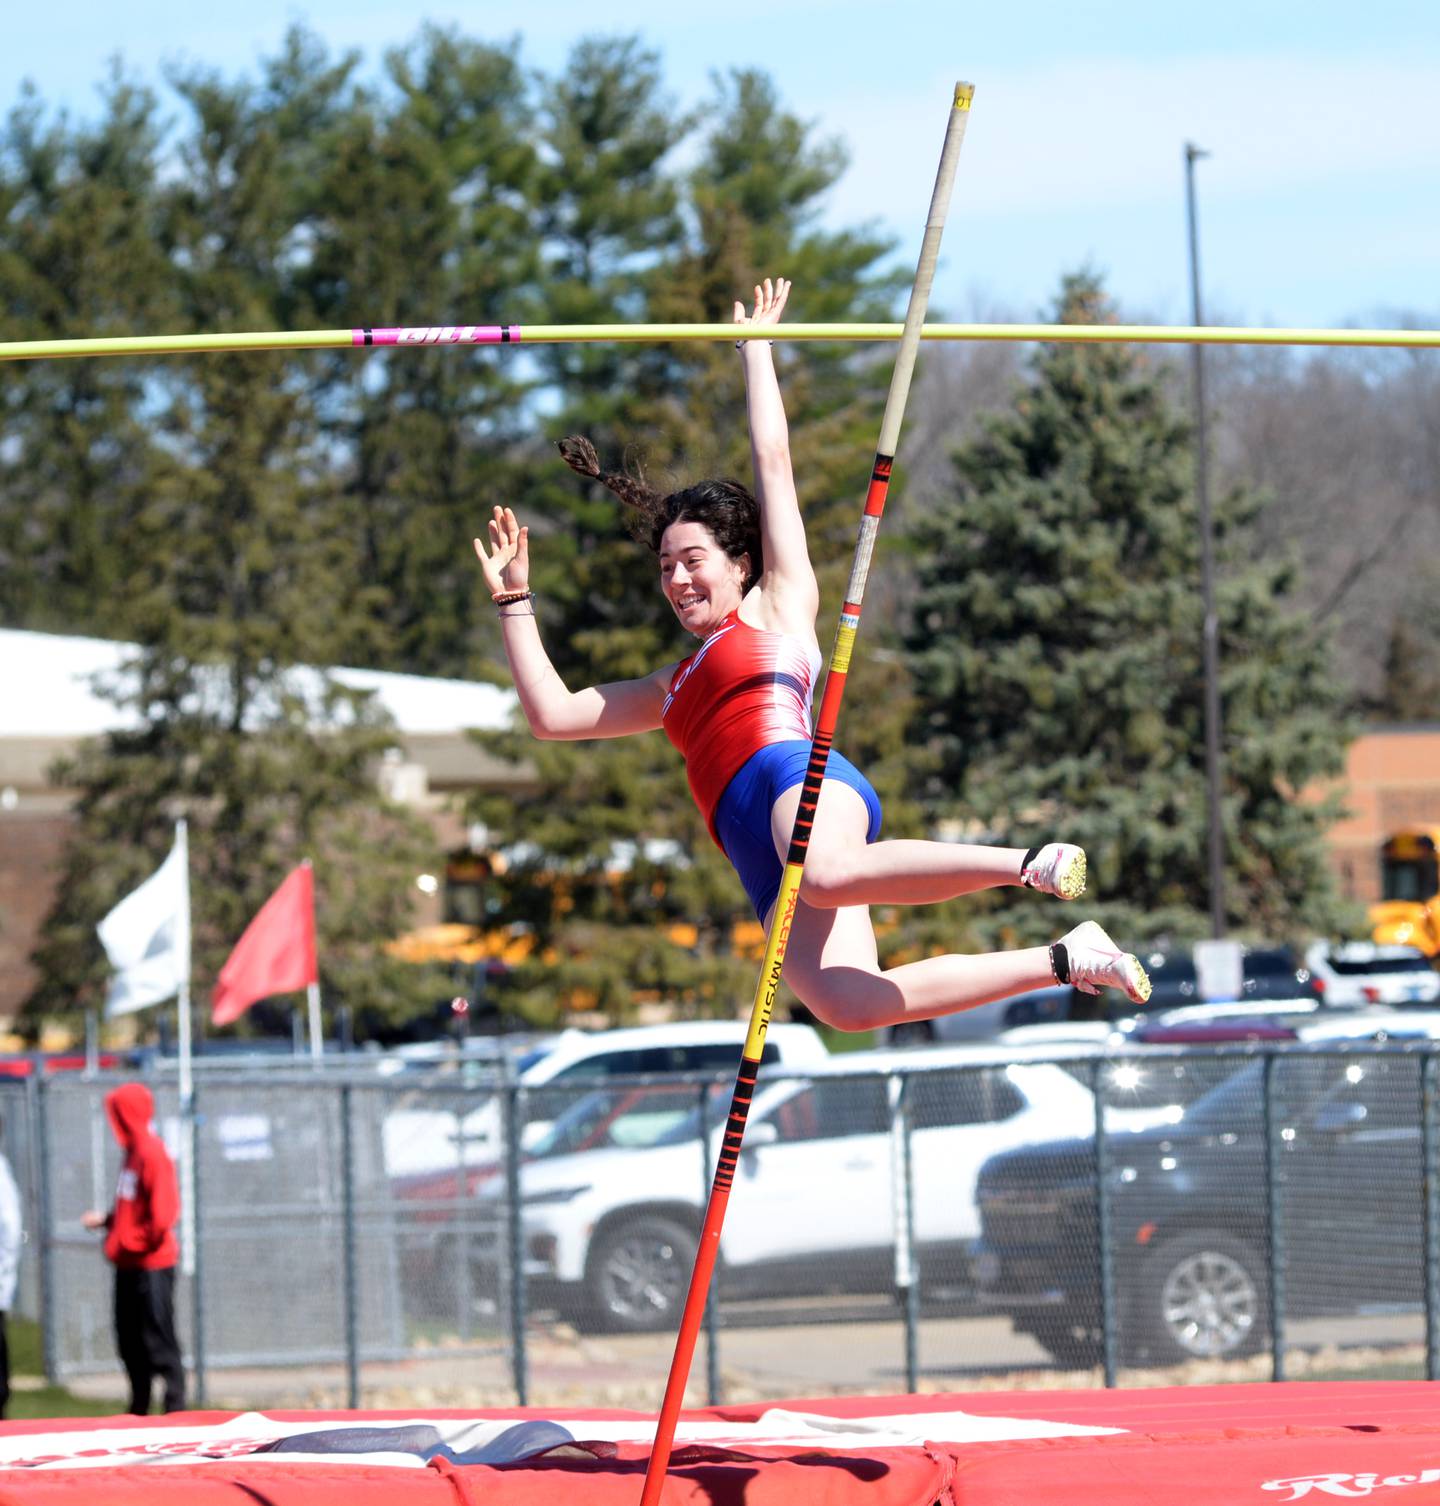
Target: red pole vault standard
<point x="829" y="713"/>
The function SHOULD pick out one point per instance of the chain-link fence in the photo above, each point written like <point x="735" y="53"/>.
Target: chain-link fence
<point x="921" y="1224"/>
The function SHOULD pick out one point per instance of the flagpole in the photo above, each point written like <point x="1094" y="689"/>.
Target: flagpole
<point x="187" y="1086"/>
<point x="182" y="948"/>
<point x="317" y="1044"/>
<point x="97" y="1114"/>
<point x="312" y="989"/>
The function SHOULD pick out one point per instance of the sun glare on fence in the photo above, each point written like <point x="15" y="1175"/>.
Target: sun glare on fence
<point x="1127" y="1078"/>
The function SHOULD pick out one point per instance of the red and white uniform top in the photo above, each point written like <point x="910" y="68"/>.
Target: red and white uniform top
<point x="741" y="690"/>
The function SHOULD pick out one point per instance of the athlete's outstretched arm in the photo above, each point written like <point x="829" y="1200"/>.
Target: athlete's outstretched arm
<point x="553" y="711"/>
<point x="788" y="582"/>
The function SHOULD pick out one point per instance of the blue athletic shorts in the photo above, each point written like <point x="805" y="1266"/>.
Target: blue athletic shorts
<point x="742" y="818"/>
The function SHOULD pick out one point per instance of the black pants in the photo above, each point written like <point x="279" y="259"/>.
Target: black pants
<point x="4" y="1367"/>
<point x="145" y="1336"/>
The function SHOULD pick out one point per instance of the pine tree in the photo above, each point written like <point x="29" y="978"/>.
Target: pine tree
<point x="80" y="256"/>
<point x="424" y="206"/>
<point x="1056" y="643"/>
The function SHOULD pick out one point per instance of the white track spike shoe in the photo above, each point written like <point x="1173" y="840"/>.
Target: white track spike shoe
<point x="1096" y="963"/>
<point x="1058" y="868"/>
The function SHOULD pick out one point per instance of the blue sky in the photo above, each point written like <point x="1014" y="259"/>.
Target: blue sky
<point x="1320" y="203"/>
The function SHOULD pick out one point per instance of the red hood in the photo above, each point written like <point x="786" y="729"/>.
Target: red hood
<point x="130" y="1109"/>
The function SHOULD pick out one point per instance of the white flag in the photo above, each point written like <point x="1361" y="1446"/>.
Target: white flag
<point x="147" y="936"/>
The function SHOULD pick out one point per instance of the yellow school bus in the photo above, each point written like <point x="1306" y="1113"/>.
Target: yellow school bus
<point x="1409" y="911"/>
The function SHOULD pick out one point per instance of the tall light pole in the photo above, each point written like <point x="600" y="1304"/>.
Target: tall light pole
<point x="1211" y="630"/>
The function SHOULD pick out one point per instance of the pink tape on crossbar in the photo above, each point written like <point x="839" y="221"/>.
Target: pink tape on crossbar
<point x="439" y="334"/>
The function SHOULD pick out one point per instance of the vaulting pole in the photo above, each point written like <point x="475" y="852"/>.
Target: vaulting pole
<point x="789" y="895"/>
<point x="431" y="335"/>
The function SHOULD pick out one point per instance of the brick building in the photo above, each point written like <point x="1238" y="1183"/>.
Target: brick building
<point x="1392" y="780"/>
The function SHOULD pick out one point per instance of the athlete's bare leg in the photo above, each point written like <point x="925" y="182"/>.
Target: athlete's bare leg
<point x="831" y="960"/>
<point x="841" y="868"/>
<point x="831" y="965"/>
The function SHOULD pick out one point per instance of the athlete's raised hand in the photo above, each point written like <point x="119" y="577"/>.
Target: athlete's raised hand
<point x="769" y="303"/>
<point x="506" y="564"/>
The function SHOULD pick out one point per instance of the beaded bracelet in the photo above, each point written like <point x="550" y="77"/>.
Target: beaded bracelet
<point x="505" y="598"/>
<point x="741" y="344"/>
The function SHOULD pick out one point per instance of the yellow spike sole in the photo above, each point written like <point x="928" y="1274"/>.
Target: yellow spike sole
<point x="1072" y="881"/>
<point x="1139" y="978"/>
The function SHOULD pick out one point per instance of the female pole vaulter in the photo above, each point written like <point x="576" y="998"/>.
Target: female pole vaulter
<point x="735" y="568"/>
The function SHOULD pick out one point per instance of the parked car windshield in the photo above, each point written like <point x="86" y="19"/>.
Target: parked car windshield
<point x="1273" y="973"/>
<point x="1348" y="967"/>
<point x="1168" y="967"/>
<point x="528" y="1060"/>
<point x="621" y="1118"/>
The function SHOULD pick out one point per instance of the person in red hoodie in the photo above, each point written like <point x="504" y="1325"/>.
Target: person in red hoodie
<point x="140" y="1243"/>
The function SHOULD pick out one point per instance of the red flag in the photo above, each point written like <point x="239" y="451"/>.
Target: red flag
<point x="275" y="955"/>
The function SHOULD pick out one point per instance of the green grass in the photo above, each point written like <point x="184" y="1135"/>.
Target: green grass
<point x="53" y="1401"/>
<point x="1380" y="1370"/>
<point x="27" y="1353"/>
<point x="27" y="1360"/>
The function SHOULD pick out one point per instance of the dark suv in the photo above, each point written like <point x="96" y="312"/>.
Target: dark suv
<point x="1268" y="972"/>
<point x="1190" y="1225"/>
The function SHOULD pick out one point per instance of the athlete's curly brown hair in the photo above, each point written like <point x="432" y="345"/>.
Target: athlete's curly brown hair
<point x="728" y="509"/>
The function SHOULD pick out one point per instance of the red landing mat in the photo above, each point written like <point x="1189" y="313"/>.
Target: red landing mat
<point x="1191" y="1446"/>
